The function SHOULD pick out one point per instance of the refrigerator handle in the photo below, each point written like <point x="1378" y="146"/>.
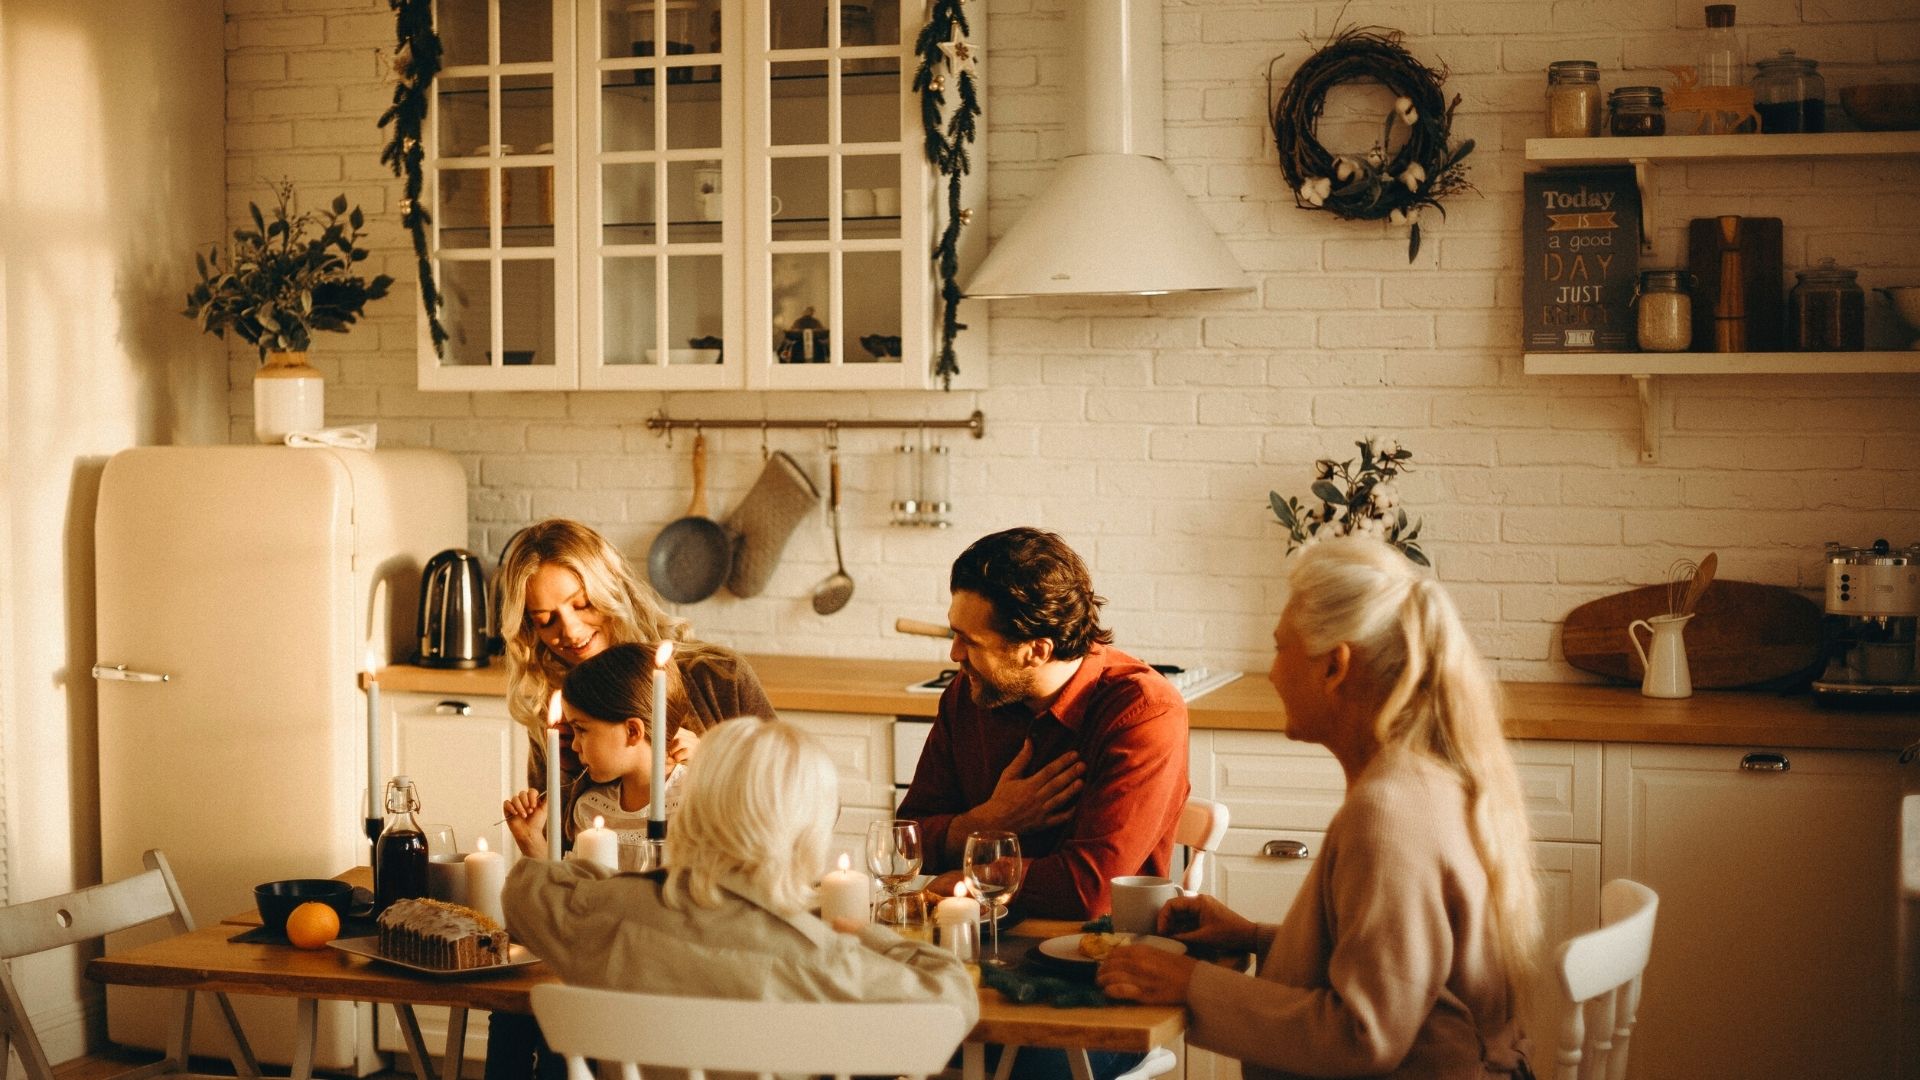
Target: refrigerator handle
<point x="119" y="673"/>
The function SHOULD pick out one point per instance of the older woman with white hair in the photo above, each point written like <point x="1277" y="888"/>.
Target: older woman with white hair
<point x="1409" y="944"/>
<point x="729" y="917"/>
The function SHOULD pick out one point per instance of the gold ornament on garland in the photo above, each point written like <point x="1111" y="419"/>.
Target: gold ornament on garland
<point x="416" y="60"/>
<point x="1413" y="165"/>
<point x="946" y="56"/>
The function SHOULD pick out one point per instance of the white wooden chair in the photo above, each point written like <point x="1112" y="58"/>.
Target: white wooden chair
<point x="1202" y="828"/>
<point x="1599" y="973"/>
<point x="86" y="915"/>
<point x="763" y="1037"/>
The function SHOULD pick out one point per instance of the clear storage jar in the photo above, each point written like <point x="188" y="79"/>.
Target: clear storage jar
<point x="1573" y="99"/>
<point x="1827" y="309"/>
<point x="1663" y="305"/>
<point x="1789" y="94"/>
<point x="1637" y="110"/>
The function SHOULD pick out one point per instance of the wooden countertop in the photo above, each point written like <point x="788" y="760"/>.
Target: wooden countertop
<point x="1579" y="712"/>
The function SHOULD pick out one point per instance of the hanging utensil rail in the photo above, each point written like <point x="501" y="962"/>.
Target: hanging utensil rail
<point x="661" y="422"/>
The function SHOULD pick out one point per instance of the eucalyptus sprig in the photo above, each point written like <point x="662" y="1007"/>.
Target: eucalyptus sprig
<point x="286" y="277"/>
<point x="1363" y="501"/>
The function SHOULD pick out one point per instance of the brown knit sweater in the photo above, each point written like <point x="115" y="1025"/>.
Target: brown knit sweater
<point x="1386" y="964"/>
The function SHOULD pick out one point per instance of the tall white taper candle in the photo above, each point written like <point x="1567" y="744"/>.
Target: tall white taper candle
<point x="373" y="738"/>
<point x="553" y="776"/>
<point x="657" y="725"/>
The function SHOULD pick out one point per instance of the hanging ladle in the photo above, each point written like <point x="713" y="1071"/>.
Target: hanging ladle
<point x="833" y="593"/>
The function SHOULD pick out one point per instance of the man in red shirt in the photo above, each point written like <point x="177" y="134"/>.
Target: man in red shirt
<point x="1049" y="733"/>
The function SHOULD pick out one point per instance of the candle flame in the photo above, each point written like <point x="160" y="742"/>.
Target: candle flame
<point x="373" y="662"/>
<point x="483" y="844"/>
<point x="960" y="889"/>
<point x="663" y="654"/>
<point x="599" y="822"/>
<point x="553" y="709"/>
<point x="844" y="861"/>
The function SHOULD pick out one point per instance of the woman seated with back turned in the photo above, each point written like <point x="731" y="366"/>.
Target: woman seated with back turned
<point x="1410" y="942"/>
<point x="728" y="918"/>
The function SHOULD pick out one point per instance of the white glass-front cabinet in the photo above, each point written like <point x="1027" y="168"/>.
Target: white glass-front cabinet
<point x="685" y="194"/>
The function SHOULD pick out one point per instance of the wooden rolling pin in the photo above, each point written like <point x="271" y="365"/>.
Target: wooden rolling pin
<point x="925" y="629"/>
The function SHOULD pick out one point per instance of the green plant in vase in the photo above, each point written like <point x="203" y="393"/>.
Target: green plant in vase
<point x="1363" y="501"/>
<point x="289" y="275"/>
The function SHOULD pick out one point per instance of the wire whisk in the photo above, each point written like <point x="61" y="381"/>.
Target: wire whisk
<point x="1679" y="581"/>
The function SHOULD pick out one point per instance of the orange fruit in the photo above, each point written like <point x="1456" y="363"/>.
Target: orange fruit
<point x="312" y="925"/>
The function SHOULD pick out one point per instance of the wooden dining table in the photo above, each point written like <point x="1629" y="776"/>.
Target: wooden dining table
<point x="208" y="959"/>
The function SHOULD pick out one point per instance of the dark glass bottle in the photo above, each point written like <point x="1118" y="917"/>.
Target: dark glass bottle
<point x="400" y="858"/>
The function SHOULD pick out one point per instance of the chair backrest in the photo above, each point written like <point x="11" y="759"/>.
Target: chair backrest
<point x="1599" y="973"/>
<point x="764" y="1037"/>
<point x="1202" y="828"/>
<point x="88" y="915"/>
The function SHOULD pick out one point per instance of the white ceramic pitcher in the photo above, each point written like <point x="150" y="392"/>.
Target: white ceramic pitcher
<point x="1665" y="659"/>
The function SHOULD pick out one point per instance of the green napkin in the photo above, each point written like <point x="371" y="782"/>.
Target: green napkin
<point x="1027" y="989"/>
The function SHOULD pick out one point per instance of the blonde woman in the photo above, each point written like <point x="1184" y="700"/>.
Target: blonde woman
<point x="729" y="918"/>
<point x="1412" y="939"/>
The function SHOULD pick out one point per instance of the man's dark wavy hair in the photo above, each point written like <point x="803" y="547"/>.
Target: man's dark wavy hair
<point x="1038" y="588"/>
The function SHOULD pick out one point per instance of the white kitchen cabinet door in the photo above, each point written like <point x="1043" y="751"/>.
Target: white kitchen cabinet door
<point x="862" y="750"/>
<point x="1774" y="951"/>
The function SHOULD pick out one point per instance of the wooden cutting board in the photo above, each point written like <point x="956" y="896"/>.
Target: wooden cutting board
<point x="1742" y="634"/>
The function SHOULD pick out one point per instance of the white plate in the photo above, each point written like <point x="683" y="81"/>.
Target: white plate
<point x="369" y="947"/>
<point x="685" y="356"/>
<point x="1067" y="947"/>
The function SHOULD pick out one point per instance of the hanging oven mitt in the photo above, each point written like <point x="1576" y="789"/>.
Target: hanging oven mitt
<point x="765" y="519"/>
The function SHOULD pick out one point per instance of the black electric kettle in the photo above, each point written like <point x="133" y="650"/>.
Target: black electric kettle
<point x="453" y="611"/>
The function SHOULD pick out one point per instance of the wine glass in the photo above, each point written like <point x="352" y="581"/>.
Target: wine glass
<point x="993" y="869"/>
<point x="893" y="852"/>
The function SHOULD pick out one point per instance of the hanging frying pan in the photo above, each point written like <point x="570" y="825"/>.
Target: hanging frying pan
<point x="691" y="557"/>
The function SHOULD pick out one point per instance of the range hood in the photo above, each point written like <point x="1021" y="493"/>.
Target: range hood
<point x="1113" y="220"/>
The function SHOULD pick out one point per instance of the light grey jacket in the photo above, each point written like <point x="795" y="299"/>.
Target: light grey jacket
<point x="617" y="931"/>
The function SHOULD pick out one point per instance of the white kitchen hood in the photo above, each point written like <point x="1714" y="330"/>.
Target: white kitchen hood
<point x="1113" y="219"/>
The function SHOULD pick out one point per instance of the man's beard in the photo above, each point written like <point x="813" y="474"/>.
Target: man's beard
<point x="991" y="694"/>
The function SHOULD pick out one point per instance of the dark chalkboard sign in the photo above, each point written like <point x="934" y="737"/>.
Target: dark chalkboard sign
<point x="1581" y="235"/>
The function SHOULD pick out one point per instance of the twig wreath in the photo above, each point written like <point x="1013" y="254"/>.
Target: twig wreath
<point x="1413" y="165"/>
<point x="946" y="55"/>
<point x="416" y="61"/>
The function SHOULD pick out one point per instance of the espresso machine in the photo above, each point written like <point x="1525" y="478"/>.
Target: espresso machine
<point x="1873" y="608"/>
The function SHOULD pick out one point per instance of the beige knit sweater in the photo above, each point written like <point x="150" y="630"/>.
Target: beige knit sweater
<point x="1385" y="965"/>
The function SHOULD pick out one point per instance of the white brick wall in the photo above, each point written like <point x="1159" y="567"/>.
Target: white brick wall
<point x="1148" y="431"/>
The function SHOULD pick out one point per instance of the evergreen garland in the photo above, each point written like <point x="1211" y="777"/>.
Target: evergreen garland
<point x="944" y="52"/>
<point x="416" y="61"/>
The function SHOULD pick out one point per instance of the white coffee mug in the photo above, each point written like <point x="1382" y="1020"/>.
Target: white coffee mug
<point x="777" y="205"/>
<point x="856" y="202"/>
<point x="886" y="201"/>
<point x="1137" y="902"/>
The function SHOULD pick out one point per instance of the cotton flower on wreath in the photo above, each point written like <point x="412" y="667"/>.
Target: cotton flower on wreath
<point x="1354" y="502"/>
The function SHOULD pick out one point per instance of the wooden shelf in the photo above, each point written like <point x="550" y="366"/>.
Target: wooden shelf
<point x="1643" y="364"/>
<point x="1682" y="148"/>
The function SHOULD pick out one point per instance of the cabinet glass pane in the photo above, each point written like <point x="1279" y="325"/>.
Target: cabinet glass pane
<point x="626" y="121"/>
<point x="886" y="23"/>
<point x="467" y="289"/>
<point x="800" y="294"/>
<point x="693" y="112"/>
<point x="692" y="215"/>
<point x="870" y="197"/>
<point x="526" y="303"/>
<point x="462" y="216"/>
<point x="800" y="198"/>
<point x="696" y="295"/>
<point x="527" y="211"/>
<point x="526" y="111"/>
<point x="463" y="114"/>
<point x="871" y="299"/>
<point x="462" y="26"/>
<point x="799" y="106"/>
<point x="627" y="301"/>
<point x="526" y="31"/>
<point x="797" y="24"/>
<point x="869" y="103"/>
<point x="626" y="201"/>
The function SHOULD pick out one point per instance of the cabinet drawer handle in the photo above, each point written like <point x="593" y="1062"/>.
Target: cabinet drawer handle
<point x="1285" y="849"/>
<point x="1766" y="763"/>
<point x="453" y="708"/>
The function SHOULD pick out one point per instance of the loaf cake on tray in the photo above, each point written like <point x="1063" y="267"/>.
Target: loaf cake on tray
<point x="436" y="934"/>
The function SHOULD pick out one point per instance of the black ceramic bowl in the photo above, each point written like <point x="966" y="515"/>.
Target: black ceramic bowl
<point x="277" y="899"/>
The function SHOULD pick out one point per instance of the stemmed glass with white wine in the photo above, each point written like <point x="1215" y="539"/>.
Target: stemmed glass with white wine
<point x="895" y="857"/>
<point x="994" y="869"/>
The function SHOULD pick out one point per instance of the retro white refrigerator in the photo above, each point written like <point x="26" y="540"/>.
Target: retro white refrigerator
<point x="236" y="590"/>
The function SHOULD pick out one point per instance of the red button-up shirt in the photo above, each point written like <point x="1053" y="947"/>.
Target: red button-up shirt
<point x="1130" y="727"/>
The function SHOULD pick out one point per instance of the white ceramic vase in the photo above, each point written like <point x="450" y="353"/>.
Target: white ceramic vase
<point x="288" y="395"/>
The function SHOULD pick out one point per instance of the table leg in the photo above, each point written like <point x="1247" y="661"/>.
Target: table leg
<point x="306" y="1022"/>
<point x="1008" y="1055"/>
<point x="456" y="1043"/>
<point x="973" y="1061"/>
<point x="1078" y="1063"/>
<point x="416" y="1046"/>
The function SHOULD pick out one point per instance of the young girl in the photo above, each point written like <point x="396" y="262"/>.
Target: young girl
<point x="607" y="706"/>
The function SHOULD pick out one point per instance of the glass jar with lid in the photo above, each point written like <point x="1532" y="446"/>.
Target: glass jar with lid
<point x="1664" y="310"/>
<point x="1789" y="94"/>
<point x="1637" y="110"/>
<point x="1827" y="309"/>
<point x="1573" y="99"/>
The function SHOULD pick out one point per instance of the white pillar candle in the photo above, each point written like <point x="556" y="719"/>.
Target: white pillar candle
<point x="553" y="776"/>
<point x="486" y="876"/>
<point x="957" y="908"/>
<point x="598" y="845"/>
<point x="846" y="893"/>
<point x="657" y="726"/>
<point x="373" y="739"/>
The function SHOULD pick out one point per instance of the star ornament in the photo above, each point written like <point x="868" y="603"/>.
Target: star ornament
<point x="960" y="53"/>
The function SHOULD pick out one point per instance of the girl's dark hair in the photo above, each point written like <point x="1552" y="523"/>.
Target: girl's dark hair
<point x="618" y="684"/>
<point x="1037" y="587"/>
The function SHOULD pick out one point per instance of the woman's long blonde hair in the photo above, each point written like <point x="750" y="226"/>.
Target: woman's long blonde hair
<point x="758" y="808"/>
<point x="633" y="613"/>
<point x="1439" y="700"/>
